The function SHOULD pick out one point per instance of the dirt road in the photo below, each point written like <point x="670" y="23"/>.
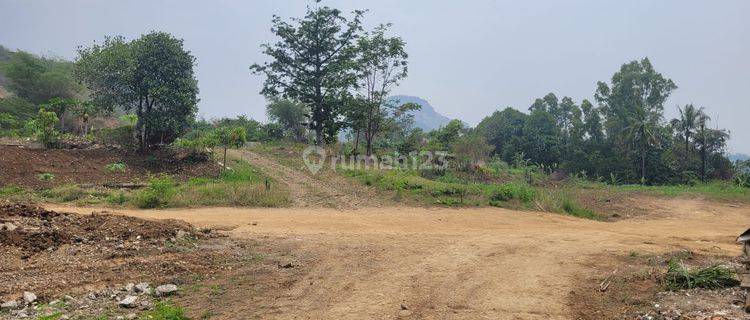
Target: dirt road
<point x="418" y="263"/>
<point x="306" y="190"/>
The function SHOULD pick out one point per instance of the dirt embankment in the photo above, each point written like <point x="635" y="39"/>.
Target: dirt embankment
<point x="22" y="167"/>
<point x="52" y="253"/>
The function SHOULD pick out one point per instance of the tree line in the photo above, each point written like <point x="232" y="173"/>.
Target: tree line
<point x="326" y="74"/>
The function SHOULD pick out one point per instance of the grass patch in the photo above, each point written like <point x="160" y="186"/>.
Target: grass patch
<point x="244" y="185"/>
<point x="715" y="190"/>
<point x="449" y="190"/>
<point x="678" y="277"/>
<point x="164" y="311"/>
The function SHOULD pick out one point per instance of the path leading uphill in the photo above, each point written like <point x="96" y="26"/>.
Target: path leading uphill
<point x="306" y="190"/>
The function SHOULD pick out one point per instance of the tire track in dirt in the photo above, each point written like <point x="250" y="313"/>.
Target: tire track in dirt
<point x="309" y="191"/>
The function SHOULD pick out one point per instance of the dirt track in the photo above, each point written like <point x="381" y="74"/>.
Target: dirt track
<point x="306" y="190"/>
<point x="447" y="263"/>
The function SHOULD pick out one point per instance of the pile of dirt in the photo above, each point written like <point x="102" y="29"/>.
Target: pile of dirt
<point x="50" y="253"/>
<point x="22" y="166"/>
<point x="34" y="229"/>
<point x="630" y="287"/>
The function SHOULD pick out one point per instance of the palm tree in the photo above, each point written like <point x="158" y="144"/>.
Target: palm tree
<point x="688" y="122"/>
<point x="702" y="133"/>
<point x="641" y="130"/>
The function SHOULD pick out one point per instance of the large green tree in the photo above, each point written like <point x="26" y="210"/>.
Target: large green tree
<point x="151" y="76"/>
<point x="39" y="79"/>
<point x="633" y="105"/>
<point x="312" y="62"/>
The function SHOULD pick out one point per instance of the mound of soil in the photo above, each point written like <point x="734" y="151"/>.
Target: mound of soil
<point x="35" y="229"/>
<point x="22" y="166"/>
<point x="50" y="253"/>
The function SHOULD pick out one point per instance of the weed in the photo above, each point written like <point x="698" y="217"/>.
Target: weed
<point x="158" y="193"/>
<point x="572" y="208"/>
<point x="510" y="191"/>
<point x="10" y="191"/>
<point x="164" y="311"/>
<point x="116" y="167"/>
<point x="117" y="199"/>
<point x="46" y="177"/>
<point x="678" y="277"/>
<point x="54" y="316"/>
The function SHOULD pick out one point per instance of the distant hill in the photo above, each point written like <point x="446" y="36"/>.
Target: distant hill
<point x="738" y="156"/>
<point x="427" y="118"/>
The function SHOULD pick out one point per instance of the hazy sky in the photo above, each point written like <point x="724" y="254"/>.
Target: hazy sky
<point x="468" y="58"/>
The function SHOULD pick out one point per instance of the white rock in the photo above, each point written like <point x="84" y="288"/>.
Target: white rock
<point x="29" y="297"/>
<point x="143" y="287"/>
<point x="7" y="226"/>
<point x="128" y="302"/>
<point x="165" y="290"/>
<point x="129" y="287"/>
<point x="9" y="305"/>
<point x="131" y="316"/>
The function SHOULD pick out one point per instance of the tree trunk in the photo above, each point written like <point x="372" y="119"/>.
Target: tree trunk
<point x="643" y="164"/>
<point x="369" y="146"/>
<point x="225" y="159"/>
<point x="687" y="147"/>
<point x="318" y="136"/>
<point x="356" y="143"/>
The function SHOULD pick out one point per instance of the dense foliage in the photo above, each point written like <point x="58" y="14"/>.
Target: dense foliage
<point x="151" y="76"/>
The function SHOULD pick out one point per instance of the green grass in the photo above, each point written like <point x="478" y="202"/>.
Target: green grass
<point x="679" y="277"/>
<point x="452" y="191"/>
<point x="244" y="185"/>
<point x="715" y="190"/>
<point x="54" y="316"/>
<point x="164" y="311"/>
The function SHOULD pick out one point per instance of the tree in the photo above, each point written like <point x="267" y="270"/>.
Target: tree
<point x="38" y="80"/>
<point x="230" y="137"/>
<point x="709" y="141"/>
<point x="312" y="63"/>
<point x="381" y="64"/>
<point x="61" y="106"/>
<point x="689" y="118"/>
<point x="290" y="115"/>
<point x="633" y="105"/>
<point x="502" y="129"/>
<point x="152" y="76"/>
<point x="44" y="127"/>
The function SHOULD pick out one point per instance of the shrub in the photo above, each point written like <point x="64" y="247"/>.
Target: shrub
<point x="46" y="176"/>
<point x="65" y="193"/>
<point x="117" y="199"/>
<point x="715" y="277"/>
<point x="572" y="208"/>
<point x="157" y="194"/>
<point x="510" y="191"/>
<point x="122" y="136"/>
<point x="116" y="167"/>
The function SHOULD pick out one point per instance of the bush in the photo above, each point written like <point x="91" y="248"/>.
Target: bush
<point x="46" y="176"/>
<point x="510" y="191"/>
<point x="715" y="277"/>
<point x="116" y="167"/>
<point x="65" y="193"/>
<point x="157" y="194"/>
<point x="122" y="136"/>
